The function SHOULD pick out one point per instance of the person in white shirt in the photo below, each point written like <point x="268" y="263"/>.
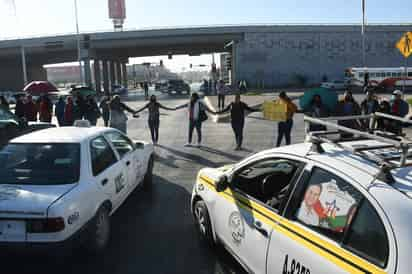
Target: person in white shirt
<point x="306" y="212"/>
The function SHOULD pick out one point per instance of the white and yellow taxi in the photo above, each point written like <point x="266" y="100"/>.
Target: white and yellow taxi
<point x="296" y="210"/>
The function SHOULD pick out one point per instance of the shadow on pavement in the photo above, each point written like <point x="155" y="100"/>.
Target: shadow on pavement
<point x="152" y="232"/>
<point x="192" y="157"/>
<point x="222" y="153"/>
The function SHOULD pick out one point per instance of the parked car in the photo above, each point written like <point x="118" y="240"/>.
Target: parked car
<point x="119" y="90"/>
<point x="177" y="87"/>
<point x="335" y="84"/>
<point x="12" y="126"/>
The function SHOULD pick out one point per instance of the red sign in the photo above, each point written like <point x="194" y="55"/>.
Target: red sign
<point x="117" y="9"/>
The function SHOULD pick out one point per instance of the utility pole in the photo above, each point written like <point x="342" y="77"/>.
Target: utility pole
<point x="22" y="50"/>
<point x="79" y="58"/>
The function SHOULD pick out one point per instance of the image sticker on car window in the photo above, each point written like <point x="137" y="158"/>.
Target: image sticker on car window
<point x="330" y="205"/>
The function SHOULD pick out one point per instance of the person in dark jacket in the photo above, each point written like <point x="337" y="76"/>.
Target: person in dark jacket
<point x="237" y="114"/>
<point x="69" y="112"/>
<point x="105" y="110"/>
<point x="153" y="118"/>
<point x="59" y="111"/>
<point x="368" y="106"/>
<point x="400" y="108"/>
<point x="30" y="110"/>
<point x="92" y="111"/>
<point x="316" y="109"/>
<point x="19" y="109"/>
<point x="348" y="107"/>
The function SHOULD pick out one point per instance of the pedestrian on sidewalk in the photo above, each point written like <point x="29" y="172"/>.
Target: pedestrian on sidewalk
<point x="30" y="110"/>
<point x="348" y="107"/>
<point x="285" y="127"/>
<point x="237" y="114"/>
<point x="146" y="90"/>
<point x="45" y="109"/>
<point x="196" y="110"/>
<point x="69" y="110"/>
<point x="154" y="117"/>
<point x="369" y="105"/>
<point x="316" y="109"/>
<point x="92" y="112"/>
<point x="59" y="111"/>
<point x="221" y="92"/>
<point x="19" y="108"/>
<point x="105" y="110"/>
<point x="400" y="108"/>
<point x="118" y="117"/>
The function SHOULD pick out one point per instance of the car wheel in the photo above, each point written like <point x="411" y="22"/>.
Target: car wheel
<point x="203" y="224"/>
<point x="100" y="231"/>
<point x="148" y="178"/>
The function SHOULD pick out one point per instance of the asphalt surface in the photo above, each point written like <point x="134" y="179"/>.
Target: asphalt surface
<point x="154" y="232"/>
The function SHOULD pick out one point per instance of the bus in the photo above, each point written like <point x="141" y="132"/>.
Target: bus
<point x="384" y="78"/>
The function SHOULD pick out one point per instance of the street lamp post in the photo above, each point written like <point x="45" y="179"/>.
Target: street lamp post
<point x="78" y="42"/>
<point x="22" y="50"/>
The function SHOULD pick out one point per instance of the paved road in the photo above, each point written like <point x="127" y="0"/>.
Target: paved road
<point x="153" y="231"/>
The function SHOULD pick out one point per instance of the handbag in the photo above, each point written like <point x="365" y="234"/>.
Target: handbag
<point x="202" y="116"/>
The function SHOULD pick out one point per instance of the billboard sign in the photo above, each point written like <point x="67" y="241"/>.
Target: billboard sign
<point x="117" y="9"/>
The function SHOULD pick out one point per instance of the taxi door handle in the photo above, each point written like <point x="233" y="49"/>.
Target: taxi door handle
<point x="104" y="182"/>
<point x="258" y="227"/>
<point x="128" y="163"/>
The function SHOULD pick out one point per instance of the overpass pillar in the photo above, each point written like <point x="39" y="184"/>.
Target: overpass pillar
<point x="124" y="75"/>
<point x="87" y="72"/>
<point x="97" y="78"/>
<point x="118" y="72"/>
<point x="112" y="73"/>
<point x="234" y="67"/>
<point x="106" y="79"/>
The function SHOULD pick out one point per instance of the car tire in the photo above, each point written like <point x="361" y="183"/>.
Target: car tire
<point x="203" y="223"/>
<point x="99" y="234"/>
<point x="148" y="177"/>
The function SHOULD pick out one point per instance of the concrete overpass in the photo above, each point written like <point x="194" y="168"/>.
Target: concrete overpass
<point x="264" y="55"/>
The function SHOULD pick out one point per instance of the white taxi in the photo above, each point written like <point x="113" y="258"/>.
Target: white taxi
<point x="61" y="185"/>
<point x="311" y="208"/>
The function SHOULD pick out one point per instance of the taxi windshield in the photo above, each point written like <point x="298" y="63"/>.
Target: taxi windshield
<point x="40" y="164"/>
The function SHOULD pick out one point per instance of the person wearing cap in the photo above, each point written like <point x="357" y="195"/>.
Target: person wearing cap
<point x="285" y="127"/>
<point x="398" y="108"/>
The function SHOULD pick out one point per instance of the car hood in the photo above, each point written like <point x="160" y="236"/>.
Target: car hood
<point x="29" y="200"/>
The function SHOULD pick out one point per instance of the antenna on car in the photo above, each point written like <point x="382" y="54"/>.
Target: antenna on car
<point x="392" y="151"/>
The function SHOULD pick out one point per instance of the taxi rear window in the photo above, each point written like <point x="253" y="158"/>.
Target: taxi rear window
<point x="40" y="164"/>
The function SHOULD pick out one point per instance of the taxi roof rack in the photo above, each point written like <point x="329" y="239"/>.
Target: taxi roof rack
<point x="397" y="148"/>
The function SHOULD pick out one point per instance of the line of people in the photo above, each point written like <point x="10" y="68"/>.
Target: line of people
<point x="348" y="106"/>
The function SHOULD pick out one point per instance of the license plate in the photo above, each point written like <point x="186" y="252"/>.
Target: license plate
<point x="12" y="231"/>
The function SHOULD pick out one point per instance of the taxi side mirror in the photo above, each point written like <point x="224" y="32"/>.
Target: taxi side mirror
<point x="222" y="183"/>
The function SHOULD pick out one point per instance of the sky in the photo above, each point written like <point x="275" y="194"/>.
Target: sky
<point x="47" y="17"/>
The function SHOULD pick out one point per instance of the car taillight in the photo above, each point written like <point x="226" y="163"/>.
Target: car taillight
<point x="48" y="225"/>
